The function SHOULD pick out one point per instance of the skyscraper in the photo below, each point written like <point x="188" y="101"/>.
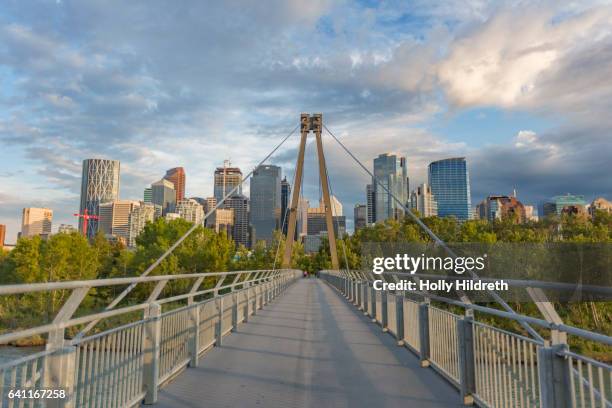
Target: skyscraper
<point x="450" y="184"/>
<point x="265" y="201"/>
<point x="226" y="178"/>
<point x="423" y="200"/>
<point x="360" y="216"/>
<point x="139" y="217"/>
<point x="177" y="177"/>
<point x="190" y="210"/>
<point x="371" y="204"/>
<point x="99" y="184"/>
<point x="148" y="195"/>
<point x="391" y="172"/>
<point x="285" y="198"/>
<point x="36" y="221"/>
<point x="224" y="221"/>
<point x="240" y="230"/>
<point x="568" y="203"/>
<point x="115" y="219"/>
<point x="164" y="195"/>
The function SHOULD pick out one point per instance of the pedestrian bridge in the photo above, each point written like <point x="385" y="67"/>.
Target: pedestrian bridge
<point x="276" y="339"/>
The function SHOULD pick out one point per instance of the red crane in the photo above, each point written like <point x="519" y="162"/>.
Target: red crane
<point x="86" y="217"/>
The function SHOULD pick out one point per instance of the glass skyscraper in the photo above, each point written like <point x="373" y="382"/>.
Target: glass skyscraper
<point x="99" y="185"/>
<point x="450" y="184"/>
<point x="265" y="202"/>
<point x="390" y="170"/>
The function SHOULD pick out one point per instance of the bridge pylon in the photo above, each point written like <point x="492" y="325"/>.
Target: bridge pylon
<point x="310" y="123"/>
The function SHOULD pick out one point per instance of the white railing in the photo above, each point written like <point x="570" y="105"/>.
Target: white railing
<point x="490" y="366"/>
<point x="126" y="365"/>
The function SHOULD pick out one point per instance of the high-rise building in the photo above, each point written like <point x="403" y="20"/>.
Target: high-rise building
<point x="302" y="218"/>
<point x="36" y="221"/>
<point x="285" y="203"/>
<point x="164" y="195"/>
<point x="240" y="231"/>
<point x="371" y="204"/>
<point x="148" y="195"/>
<point x="423" y="200"/>
<point x="265" y="201"/>
<point x="224" y="221"/>
<point x="226" y="179"/>
<point x="360" y="216"/>
<point x="336" y="206"/>
<point x="530" y="213"/>
<point x="139" y="217"/>
<point x="177" y="177"/>
<point x="390" y="170"/>
<point x="115" y="219"/>
<point x="2" y="235"/>
<point x="498" y="207"/>
<point x="66" y="229"/>
<point x="568" y="203"/>
<point x="317" y="222"/>
<point x="190" y="210"/>
<point x="99" y="185"/>
<point x="450" y="184"/>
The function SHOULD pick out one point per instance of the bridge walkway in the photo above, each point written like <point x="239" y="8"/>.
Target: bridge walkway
<point x="309" y="348"/>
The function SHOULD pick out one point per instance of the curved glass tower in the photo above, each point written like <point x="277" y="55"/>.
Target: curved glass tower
<point x="99" y="185"/>
<point x="450" y="184"/>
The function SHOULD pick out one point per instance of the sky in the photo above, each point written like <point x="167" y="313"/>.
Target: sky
<point x="522" y="89"/>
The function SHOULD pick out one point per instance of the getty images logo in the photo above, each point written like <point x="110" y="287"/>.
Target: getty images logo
<point x="412" y="264"/>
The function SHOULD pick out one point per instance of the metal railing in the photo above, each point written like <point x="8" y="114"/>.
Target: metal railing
<point x="491" y="367"/>
<point x="126" y="365"/>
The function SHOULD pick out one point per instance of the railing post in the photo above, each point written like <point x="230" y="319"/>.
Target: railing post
<point x="424" y="333"/>
<point x="399" y="317"/>
<point x="359" y="295"/>
<point x="219" y="340"/>
<point x="255" y="299"/>
<point x="554" y="375"/>
<point x="236" y="298"/>
<point x="247" y="304"/>
<point x="151" y="348"/>
<point x="384" y="310"/>
<point x="373" y="302"/>
<point x="467" y="368"/>
<point x="59" y="375"/>
<point x="194" y="315"/>
<point x="365" y="297"/>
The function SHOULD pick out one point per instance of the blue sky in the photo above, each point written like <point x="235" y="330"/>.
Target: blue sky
<point x="521" y="88"/>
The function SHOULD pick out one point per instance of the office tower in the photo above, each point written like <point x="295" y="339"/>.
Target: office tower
<point x="531" y="213"/>
<point x="568" y="204"/>
<point x="390" y="170"/>
<point x="450" y="184"/>
<point x="2" y="235"/>
<point x="423" y="200"/>
<point x="226" y="179"/>
<point x="498" y="207"/>
<point x="285" y="202"/>
<point x="224" y="221"/>
<point x="99" y="185"/>
<point x="371" y="203"/>
<point x="211" y="203"/>
<point x="190" y="210"/>
<point x="177" y="177"/>
<point x="265" y="201"/>
<point x="335" y="205"/>
<point x="148" y="195"/>
<point x="115" y="219"/>
<point x="240" y="231"/>
<point x="317" y="224"/>
<point x="139" y="217"/>
<point x="66" y="229"/>
<point x="360" y="216"/>
<point x="36" y="221"/>
<point x="164" y="195"/>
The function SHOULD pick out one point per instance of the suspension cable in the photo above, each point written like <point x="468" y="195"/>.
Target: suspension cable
<point x="155" y="264"/>
<point x="432" y="235"/>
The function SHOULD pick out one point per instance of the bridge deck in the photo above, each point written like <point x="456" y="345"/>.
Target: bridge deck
<point x="309" y="348"/>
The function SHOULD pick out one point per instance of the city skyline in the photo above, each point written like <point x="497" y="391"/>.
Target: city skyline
<point x="427" y="81"/>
